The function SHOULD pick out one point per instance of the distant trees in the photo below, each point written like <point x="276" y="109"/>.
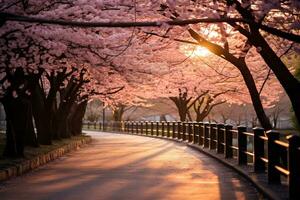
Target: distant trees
<point x="93" y="110"/>
<point x="183" y="103"/>
<point x="118" y="112"/>
<point x="202" y="104"/>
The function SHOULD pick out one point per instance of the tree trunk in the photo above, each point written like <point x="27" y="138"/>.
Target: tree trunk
<point x="41" y="117"/>
<point x="62" y="125"/>
<point x="16" y="121"/>
<point x="181" y="105"/>
<point x="162" y="118"/>
<point x="30" y="136"/>
<point x="62" y="118"/>
<point x="257" y="105"/>
<point x="182" y="113"/>
<point x="118" y="113"/>
<point x="199" y="117"/>
<point x="76" y="118"/>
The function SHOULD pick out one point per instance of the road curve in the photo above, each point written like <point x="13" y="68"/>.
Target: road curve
<point x="130" y="167"/>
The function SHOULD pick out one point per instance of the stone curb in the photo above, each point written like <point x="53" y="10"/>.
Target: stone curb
<point x="262" y="188"/>
<point x="42" y="159"/>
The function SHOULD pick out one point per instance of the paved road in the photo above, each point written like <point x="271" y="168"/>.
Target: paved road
<point x="130" y="167"/>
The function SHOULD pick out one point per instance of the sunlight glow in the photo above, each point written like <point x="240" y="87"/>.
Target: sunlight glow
<point x="201" y="51"/>
<point x="195" y="52"/>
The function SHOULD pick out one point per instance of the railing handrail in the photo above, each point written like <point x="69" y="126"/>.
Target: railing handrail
<point x="283" y="158"/>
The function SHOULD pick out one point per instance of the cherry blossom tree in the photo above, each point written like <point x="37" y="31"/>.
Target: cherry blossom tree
<point x="62" y="66"/>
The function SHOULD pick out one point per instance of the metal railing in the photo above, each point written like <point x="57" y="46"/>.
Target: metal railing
<point x="268" y="153"/>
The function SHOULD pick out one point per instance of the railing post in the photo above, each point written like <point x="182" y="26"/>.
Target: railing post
<point x="220" y="138"/>
<point x="195" y="132"/>
<point x="201" y="134"/>
<point x="168" y="129"/>
<point x="242" y="145"/>
<point x="152" y="128"/>
<point x="206" y="135"/>
<point x="228" y="141"/>
<point x="212" y="136"/>
<point x="88" y="125"/>
<point x="190" y="132"/>
<point x="273" y="157"/>
<point x="146" y="127"/>
<point x="142" y="127"/>
<point x="132" y="127"/>
<point x="183" y="131"/>
<point x="294" y="166"/>
<point x="173" y="130"/>
<point x="259" y="150"/>
<point x="162" y="129"/>
<point x="186" y="133"/>
<point x="128" y="126"/>
<point x="137" y="127"/>
<point x="179" y="130"/>
<point x="157" y="128"/>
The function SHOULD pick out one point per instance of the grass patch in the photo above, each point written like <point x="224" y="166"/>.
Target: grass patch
<point x="31" y="152"/>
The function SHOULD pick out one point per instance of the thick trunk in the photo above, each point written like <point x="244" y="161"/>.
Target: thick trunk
<point x="199" y="117"/>
<point x="10" y="149"/>
<point x="41" y="117"/>
<point x="62" y="118"/>
<point x="30" y="136"/>
<point x="55" y="119"/>
<point x="15" y="111"/>
<point x="118" y="113"/>
<point x="182" y="107"/>
<point x="258" y="107"/>
<point x="75" y="122"/>
<point x="182" y="114"/>
<point x="61" y="121"/>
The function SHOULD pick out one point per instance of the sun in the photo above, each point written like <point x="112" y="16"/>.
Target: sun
<point x="194" y="52"/>
<point x="201" y="51"/>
